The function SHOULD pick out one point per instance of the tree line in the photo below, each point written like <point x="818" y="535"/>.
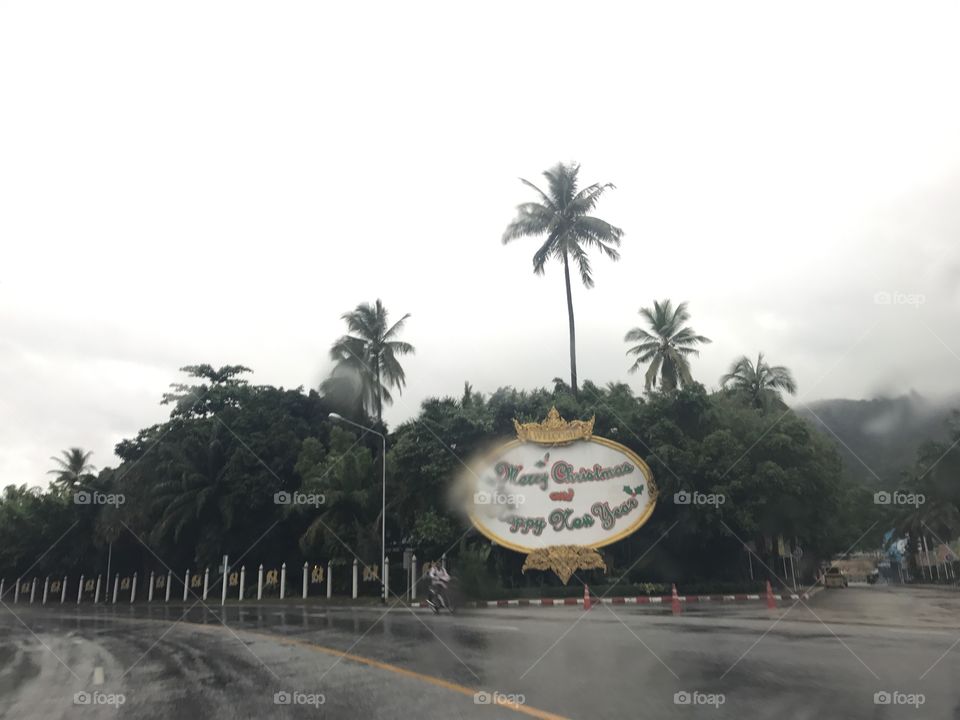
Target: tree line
<point x="203" y="483"/>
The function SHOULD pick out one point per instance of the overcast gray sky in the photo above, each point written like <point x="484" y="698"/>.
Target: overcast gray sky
<point x="186" y="182"/>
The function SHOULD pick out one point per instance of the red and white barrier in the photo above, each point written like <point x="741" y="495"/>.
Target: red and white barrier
<point x="637" y="600"/>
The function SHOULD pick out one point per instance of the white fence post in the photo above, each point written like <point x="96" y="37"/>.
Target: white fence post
<point x="33" y="590"/>
<point x="186" y="584"/>
<point x="1" y="588"/>
<point x="116" y="587"/>
<point x="386" y="578"/>
<point x="306" y="572"/>
<point x="63" y="590"/>
<point x="354" y="578"/>
<point x="169" y="585"/>
<point x="413" y="577"/>
<point x="133" y="589"/>
<point x="329" y="579"/>
<point x="206" y="582"/>
<point x="243" y="579"/>
<point x="283" y="579"/>
<point x="260" y="583"/>
<point x="16" y="591"/>
<point x="223" y="589"/>
<point x="150" y="589"/>
<point x="96" y="594"/>
<point x="80" y="590"/>
<point x="46" y="585"/>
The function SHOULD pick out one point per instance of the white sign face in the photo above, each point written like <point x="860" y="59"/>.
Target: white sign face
<point x="588" y="492"/>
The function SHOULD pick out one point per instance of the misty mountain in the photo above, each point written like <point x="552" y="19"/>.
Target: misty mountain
<point x="879" y="438"/>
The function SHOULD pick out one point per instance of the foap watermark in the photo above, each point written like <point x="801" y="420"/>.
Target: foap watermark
<point x="698" y="498"/>
<point x="898" y="498"/>
<point x="99" y="698"/>
<point x="886" y="297"/>
<point x="485" y="497"/>
<point x="896" y="697"/>
<point x="282" y="697"/>
<point x="298" y="498"/>
<point x="482" y="697"/>
<point x="85" y="497"/>
<point x="695" y="697"/>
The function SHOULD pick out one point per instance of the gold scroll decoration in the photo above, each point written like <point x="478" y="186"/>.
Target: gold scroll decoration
<point x="554" y="430"/>
<point x="564" y="560"/>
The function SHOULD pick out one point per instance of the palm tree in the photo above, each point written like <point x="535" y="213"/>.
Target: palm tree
<point x="562" y="216"/>
<point x="667" y="347"/>
<point x="346" y="524"/>
<point x="192" y="496"/>
<point x="761" y="383"/>
<point x="345" y="501"/>
<point x="370" y="354"/>
<point x="73" y="467"/>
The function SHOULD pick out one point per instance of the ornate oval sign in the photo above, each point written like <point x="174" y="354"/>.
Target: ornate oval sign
<point x="558" y="484"/>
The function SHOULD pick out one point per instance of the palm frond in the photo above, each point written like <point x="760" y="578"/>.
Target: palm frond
<point x="396" y="327"/>
<point x="586" y="199"/>
<point x="583" y="265"/>
<point x="543" y="253"/>
<point x="562" y="180"/>
<point x="637" y="334"/>
<point x="599" y="233"/>
<point x="650" y="379"/>
<point x="547" y="200"/>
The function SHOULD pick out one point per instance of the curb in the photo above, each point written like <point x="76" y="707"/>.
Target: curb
<point x="637" y="600"/>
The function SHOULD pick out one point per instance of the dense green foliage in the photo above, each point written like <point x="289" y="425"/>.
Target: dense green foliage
<point x="934" y="476"/>
<point x="202" y="484"/>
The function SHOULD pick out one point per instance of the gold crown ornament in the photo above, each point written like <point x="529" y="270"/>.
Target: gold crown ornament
<point x="554" y="430"/>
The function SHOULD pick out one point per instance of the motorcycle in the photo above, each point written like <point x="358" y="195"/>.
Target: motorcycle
<point x="438" y="598"/>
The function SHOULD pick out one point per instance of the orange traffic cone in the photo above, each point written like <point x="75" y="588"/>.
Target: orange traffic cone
<point x="771" y="600"/>
<point x="675" y="601"/>
<point x="586" y="596"/>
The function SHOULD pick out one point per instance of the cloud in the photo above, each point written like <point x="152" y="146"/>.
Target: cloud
<point x="227" y="202"/>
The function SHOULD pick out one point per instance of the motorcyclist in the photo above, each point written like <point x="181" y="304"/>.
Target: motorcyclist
<point x="439" y="578"/>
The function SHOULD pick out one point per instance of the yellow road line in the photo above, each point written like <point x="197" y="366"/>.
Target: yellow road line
<point x="423" y="677"/>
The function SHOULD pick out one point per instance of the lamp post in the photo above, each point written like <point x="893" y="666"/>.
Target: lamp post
<point x="383" y="511"/>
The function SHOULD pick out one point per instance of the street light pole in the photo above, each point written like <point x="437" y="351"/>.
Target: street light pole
<point x="383" y="510"/>
<point x="109" y="559"/>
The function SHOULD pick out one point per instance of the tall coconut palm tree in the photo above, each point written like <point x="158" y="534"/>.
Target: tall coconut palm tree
<point x="370" y="354"/>
<point x="73" y="468"/>
<point x="760" y="382"/>
<point x="667" y="347"/>
<point x="561" y="214"/>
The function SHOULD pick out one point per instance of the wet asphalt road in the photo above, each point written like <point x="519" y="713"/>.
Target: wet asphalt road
<point x="825" y="661"/>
